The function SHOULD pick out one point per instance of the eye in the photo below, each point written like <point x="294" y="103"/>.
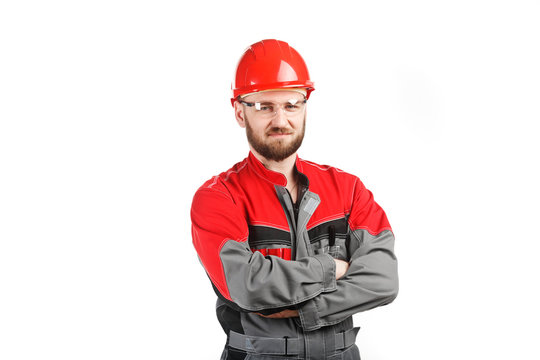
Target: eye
<point x="265" y="108"/>
<point x="291" y="107"/>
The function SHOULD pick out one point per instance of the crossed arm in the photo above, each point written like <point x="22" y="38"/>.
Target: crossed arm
<point x="341" y="269"/>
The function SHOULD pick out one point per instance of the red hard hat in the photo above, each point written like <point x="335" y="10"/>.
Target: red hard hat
<point x="270" y="64"/>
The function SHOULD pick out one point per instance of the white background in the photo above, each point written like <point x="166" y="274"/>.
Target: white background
<point x="114" y="112"/>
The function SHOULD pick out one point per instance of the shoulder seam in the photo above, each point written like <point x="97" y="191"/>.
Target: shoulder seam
<point x="228" y="196"/>
<point x="322" y="167"/>
<point x="227" y="175"/>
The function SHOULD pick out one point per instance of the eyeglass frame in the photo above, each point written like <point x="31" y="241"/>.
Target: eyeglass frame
<point x="252" y="104"/>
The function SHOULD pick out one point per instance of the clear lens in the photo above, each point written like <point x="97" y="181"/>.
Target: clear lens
<point x="268" y="109"/>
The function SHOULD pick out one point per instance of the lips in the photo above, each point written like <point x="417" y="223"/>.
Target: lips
<point x="279" y="134"/>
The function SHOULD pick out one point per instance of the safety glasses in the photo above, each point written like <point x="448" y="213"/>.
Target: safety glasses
<point x="268" y="109"/>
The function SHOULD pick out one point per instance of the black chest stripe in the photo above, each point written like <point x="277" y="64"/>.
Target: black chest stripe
<point x="335" y="228"/>
<point x="264" y="236"/>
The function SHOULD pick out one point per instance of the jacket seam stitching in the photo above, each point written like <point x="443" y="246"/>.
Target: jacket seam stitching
<point x="219" y="191"/>
<point x="300" y="300"/>
<point x="275" y="226"/>
<point x="327" y="219"/>
<point x="227" y="175"/>
<point x="369" y="230"/>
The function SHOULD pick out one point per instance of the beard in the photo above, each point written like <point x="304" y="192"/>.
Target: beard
<point x="276" y="150"/>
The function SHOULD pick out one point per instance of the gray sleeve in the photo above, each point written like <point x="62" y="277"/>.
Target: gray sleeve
<point x="371" y="281"/>
<point x="256" y="282"/>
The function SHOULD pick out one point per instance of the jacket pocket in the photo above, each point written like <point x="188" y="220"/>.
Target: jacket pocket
<point x="337" y="251"/>
<point x="331" y="238"/>
<point x="335" y="245"/>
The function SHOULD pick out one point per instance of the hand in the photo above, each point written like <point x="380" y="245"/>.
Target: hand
<point x="341" y="268"/>
<point x="281" y="315"/>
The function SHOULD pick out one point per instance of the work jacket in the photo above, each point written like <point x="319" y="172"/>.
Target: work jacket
<point x="264" y="254"/>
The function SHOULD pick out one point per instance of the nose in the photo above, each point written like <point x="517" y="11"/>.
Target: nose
<point x="280" y="118"/>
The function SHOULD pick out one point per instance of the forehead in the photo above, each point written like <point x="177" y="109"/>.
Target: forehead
<point x="274" y="96"/>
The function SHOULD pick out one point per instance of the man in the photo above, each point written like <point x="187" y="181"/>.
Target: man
<point x="293" y="249"/>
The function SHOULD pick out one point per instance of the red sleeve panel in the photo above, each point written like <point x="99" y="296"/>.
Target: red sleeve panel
<point x="215" y="220"/>
<point x="365" y="212"/>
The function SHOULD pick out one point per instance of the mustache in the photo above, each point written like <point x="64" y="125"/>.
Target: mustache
<point x="279" y="131"/>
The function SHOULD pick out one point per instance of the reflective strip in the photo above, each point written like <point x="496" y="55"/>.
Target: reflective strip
<point x="311" y="206"/>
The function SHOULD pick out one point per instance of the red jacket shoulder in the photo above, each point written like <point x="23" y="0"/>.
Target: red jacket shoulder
<point x="223" y="182"/>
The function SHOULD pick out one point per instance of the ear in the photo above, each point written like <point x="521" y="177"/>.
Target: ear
<point x="239" y="114"/>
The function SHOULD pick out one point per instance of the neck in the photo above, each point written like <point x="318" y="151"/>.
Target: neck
<point x="285" y="167"/>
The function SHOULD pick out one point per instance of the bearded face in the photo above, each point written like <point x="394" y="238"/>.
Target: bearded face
<point x="275" y="143"/>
